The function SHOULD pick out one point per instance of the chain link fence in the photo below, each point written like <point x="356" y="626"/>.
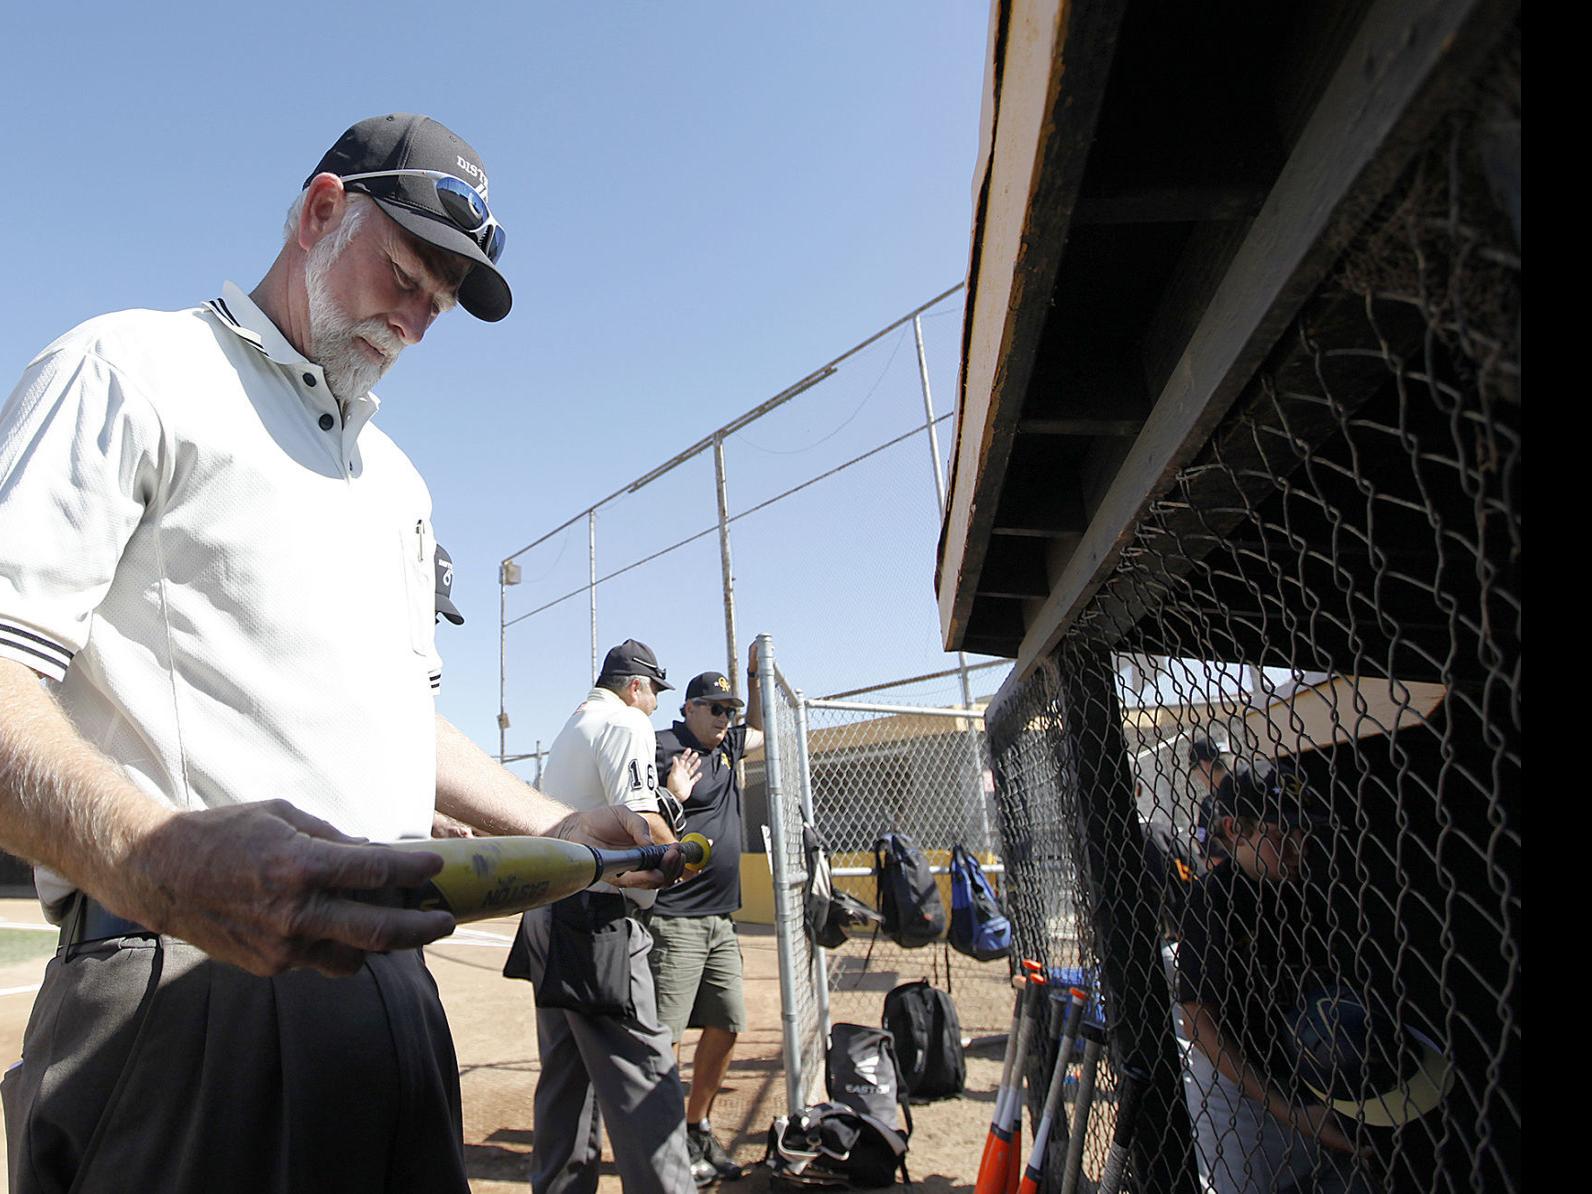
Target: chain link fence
<point x="775" y="519"/>
<point x="1266" y="790"/>
<point x="883" y="760"/>
<point x="781" y="778"/>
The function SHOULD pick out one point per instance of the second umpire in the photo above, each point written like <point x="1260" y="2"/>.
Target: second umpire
<point x="696" y="958"/>
<point x="604" y="1055"/>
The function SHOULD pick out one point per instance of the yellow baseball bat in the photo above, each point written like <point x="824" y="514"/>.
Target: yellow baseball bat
<point x="482" y="877"/>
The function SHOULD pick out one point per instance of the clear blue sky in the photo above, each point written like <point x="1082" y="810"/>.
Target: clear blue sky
<point x="704" y="201"/>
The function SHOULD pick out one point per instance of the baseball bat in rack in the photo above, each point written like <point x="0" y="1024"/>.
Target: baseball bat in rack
<point x="1129" y="1095"/>
<point x="1006" y="1076"/>
<point x="1014" y="1111"/>
<point x="1076" y="1000"/>
<point x="482" y="877"/>
<point x="993" y="1174"/>
<point x="1094" y="1039"/>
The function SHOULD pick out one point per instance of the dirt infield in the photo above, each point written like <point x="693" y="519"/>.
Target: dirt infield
<point x="495" y="1036"/>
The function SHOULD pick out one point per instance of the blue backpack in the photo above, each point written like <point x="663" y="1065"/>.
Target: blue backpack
<point x="979" y="927"/>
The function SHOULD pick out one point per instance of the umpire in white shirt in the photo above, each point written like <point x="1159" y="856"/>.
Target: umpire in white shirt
<point x="600" y="1042"/>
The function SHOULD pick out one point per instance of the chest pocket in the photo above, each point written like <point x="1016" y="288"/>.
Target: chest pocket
<point x="417" y="558"/>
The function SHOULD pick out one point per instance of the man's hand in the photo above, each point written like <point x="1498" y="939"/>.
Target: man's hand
<point x="613" y="827"/>
<point x="443" y="825"/>
<point x="754" y="701"/>
<point x="683" y="774"/>
<point x="263" y="887"/>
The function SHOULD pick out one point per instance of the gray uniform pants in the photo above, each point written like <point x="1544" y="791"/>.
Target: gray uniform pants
<point x="1242" y="1149"/>
<point x="622" y="1066"/>
<point x="148" y="1066"/>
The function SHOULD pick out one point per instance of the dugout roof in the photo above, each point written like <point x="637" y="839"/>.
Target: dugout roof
<point x="1159" y="189"/>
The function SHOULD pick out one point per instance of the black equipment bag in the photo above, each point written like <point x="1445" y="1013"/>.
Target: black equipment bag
<point x="979" y="927"/>
<point x="861" y="1070"/>
<point x="834" y="1146"/>
<point x="820" y="891"/>
<point x="831" y="916"/>
<point x="927" y="1035"/>
<point x="909" y="898"/>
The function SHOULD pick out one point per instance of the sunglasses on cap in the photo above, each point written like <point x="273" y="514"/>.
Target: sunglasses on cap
<point x="460" y="202"/>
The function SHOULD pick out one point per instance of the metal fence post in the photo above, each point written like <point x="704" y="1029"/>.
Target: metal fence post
<point x="732" y="664"/>
<point x="1121" y="908"/>
<point x="785" y="923"/>
<point x="803" y="760"/>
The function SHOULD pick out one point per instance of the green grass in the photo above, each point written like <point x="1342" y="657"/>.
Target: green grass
<point x="18" y="945"/>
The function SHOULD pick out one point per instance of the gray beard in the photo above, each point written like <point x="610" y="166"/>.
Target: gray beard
<point x="350" y="373"/>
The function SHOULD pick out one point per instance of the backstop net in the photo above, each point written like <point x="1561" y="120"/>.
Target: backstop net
<point x="1264" y="795"/>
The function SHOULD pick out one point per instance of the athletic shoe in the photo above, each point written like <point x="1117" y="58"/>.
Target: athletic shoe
<point x="702" y="1143"/>
<point x="702" y="1171"/>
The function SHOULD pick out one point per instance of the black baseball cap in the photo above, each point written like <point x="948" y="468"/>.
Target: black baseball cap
<point x="633" y="658"/>
<point x="1203" y="750"/>
<point x="445" y="605"/>
<point x="404" y="141"/>
<point x="712" y="686"/>
<point x="1267" y="793"/>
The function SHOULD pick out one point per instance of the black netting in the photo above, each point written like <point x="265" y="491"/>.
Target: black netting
<point x="1265" y="794"/>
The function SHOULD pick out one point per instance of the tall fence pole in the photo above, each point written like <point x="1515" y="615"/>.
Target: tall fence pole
<point x="503" y="663"/>
<point x="591" y="559"/>
<point x="785" y="921"/>
<point x="975" y="764"/>
<point x="733" y="670"/>
<point x="928" y="417"/>
<point x="1121" y="905"/>
<point x="805" y="771"/>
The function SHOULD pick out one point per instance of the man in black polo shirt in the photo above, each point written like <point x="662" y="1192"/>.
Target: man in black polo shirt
<point x="1205" y="757"/>
<point x="696" y="959"/>
<point x="1248" y="950"/>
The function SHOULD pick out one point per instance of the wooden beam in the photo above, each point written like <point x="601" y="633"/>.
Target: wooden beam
<point x="1171" y="204"/>
<point x="1054" y="59"/>
<point x="1037" y="531"/>
<point x="1082" y="425"/>
<point x="1398" y="76"/>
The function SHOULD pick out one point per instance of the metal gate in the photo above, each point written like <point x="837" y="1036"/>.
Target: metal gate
<point x="854" y="770"/>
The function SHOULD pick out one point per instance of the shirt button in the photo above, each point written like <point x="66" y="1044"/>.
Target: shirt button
<point x="309" y="380"/>
<point x="326" y="422"/>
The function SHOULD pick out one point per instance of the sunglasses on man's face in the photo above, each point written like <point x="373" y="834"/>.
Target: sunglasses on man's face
<point x="716" y="709"/>
<point x="460" y="202"/>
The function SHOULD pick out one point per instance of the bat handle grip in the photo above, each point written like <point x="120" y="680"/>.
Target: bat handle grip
<point x="647" y="858"/>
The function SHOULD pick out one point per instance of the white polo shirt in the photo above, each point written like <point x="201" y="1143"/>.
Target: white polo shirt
<point x="230" y="588"/>
<point x="605" y="754"/>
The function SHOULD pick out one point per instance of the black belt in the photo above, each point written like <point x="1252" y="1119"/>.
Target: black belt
<point x="89" y="920"/>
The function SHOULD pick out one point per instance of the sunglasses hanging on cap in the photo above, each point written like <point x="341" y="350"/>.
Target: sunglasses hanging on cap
<point x="461" y="203"/>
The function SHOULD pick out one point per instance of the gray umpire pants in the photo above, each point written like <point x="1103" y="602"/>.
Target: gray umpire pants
<point x="622" y="1067"/>
<point x="148" y="1066"/>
